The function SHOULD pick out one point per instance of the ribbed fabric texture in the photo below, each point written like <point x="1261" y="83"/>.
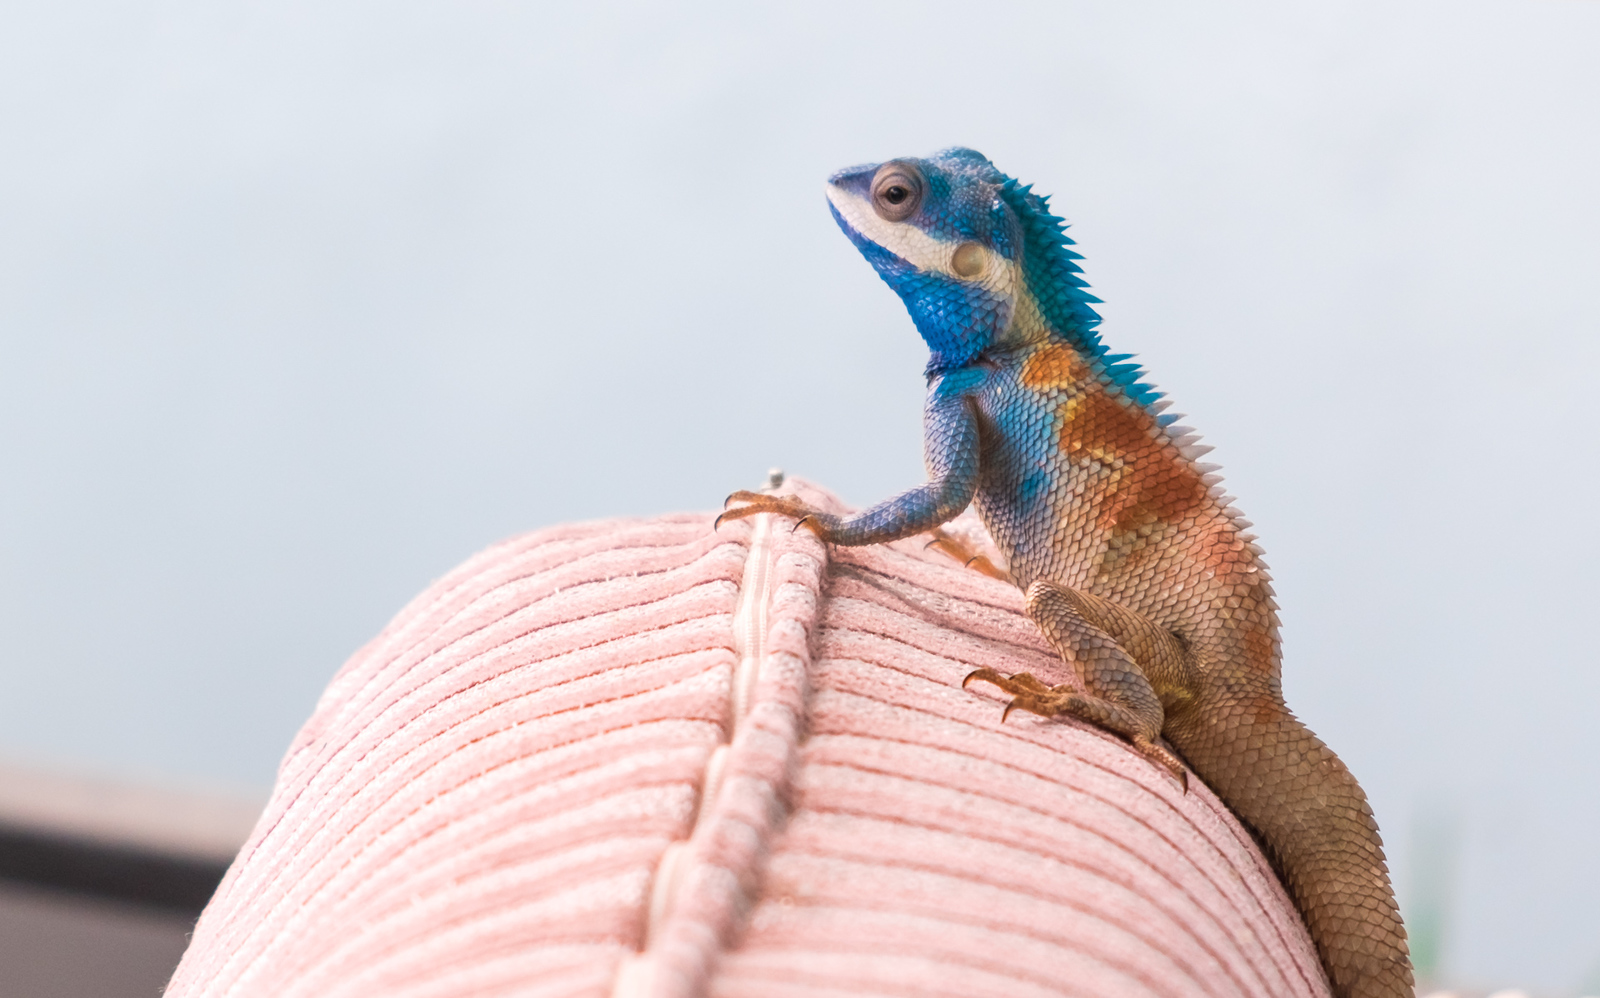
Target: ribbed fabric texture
<point x="639" y="758"/>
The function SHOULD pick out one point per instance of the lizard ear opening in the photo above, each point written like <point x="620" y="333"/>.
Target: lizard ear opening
<point x="897" y="191"/>
<point x="968" y="260"/>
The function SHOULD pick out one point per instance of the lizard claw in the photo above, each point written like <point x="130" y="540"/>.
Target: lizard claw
<point x="985" y="675"/>
<point x="962" y="552"/>
<point x="1031" y="704"/>
<point x="1158" y="754"/>
<point x="759" y="502"/>
<point x="741" y="495"/>
<point x="1023" y="683"/>
<point x="1029" y="694"/>
<point x="1025" y="690"/>
<point x="1033" y="696"/>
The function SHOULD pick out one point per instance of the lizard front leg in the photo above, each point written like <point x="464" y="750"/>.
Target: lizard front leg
<point x="950" y="439"/>
<point x="965" y="553"/>
<point x="1119" y="656"/>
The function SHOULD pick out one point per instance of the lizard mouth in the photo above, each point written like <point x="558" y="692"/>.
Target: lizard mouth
<point x="885" y="260"/>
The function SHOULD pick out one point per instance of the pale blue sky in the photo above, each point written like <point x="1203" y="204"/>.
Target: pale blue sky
<point x="302" y="303"/>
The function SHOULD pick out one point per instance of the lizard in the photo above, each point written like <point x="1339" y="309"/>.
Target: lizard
<point x="1134" y="563"/>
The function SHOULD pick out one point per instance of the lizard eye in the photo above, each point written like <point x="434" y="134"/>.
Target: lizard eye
<point x="897" y="191"/>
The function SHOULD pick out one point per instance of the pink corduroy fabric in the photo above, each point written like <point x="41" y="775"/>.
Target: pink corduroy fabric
<point x="640" y="758"/>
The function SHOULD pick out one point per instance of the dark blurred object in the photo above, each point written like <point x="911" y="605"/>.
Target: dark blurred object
<point x="101" y="880"/>
<point x="180" y="884"/>
<point x="55" y="944"/>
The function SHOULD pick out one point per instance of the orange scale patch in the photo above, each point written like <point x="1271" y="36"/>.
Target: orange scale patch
<point x="1054" y="365"/>
<point x="1142" y="484"/>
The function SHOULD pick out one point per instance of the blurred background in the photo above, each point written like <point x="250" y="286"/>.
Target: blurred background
<point x="303" y="303"/>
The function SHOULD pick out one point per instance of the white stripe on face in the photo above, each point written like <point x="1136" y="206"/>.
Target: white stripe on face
<point x="904" y="240"/>
<point x="917" y="247"/>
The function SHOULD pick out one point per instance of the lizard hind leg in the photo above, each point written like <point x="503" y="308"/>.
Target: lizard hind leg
<point x="1116" y="694"/>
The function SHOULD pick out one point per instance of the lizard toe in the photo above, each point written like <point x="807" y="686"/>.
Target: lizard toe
<point x="756" y="503"/>
<point x="1164" y="758"/>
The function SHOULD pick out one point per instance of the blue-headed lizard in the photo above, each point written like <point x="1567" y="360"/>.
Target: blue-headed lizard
<point x="1135" y="565"/>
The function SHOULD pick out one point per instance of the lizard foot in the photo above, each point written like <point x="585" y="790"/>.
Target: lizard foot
<point x="760" y="502"/>
<point x="1033" y="696"/>
<point x="1029" y="694"/>
<point x="949" y="545"/>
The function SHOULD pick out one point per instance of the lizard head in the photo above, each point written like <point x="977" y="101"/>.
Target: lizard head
<point x="978" y="259"/>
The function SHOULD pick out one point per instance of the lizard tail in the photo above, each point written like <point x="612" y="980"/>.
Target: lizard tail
<point x="1313" y="818"/>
